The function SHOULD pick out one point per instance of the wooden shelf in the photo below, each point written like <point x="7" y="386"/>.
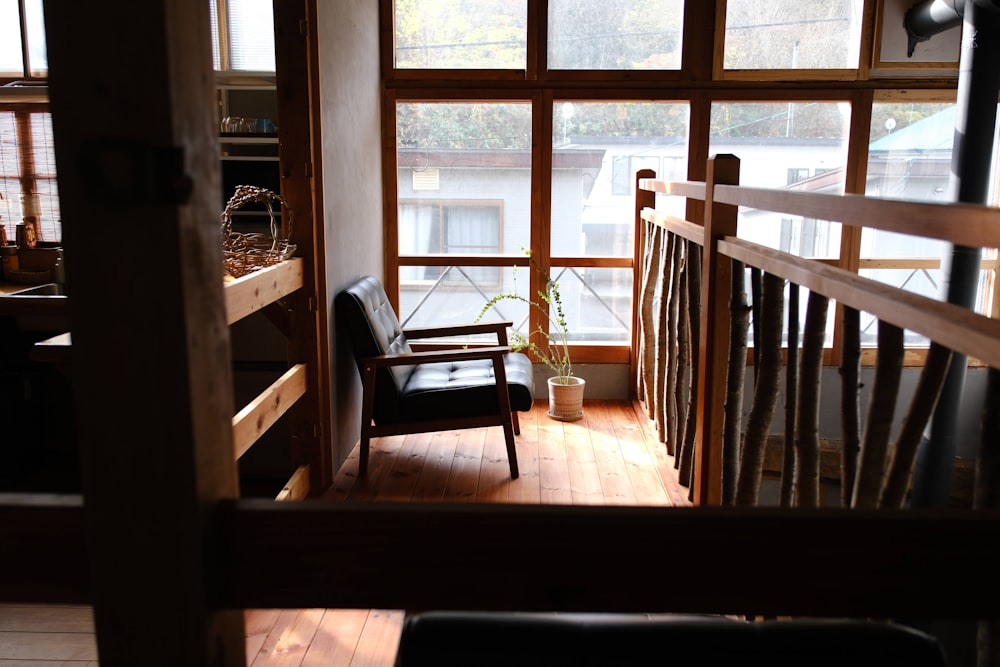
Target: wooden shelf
<point x="256" y="290"/>
<point x="244" y="296"/>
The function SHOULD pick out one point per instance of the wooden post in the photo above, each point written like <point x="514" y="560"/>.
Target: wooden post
<point x="295" y="29"/>
<point x="643" y="199"/>
<point x="720" y="220"/>
<point x="137" y="156"/>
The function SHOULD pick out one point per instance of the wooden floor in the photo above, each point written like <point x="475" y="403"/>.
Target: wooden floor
<point x="610" y="457"/>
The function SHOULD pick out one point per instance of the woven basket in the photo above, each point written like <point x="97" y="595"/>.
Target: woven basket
<point x="246" y="253"/>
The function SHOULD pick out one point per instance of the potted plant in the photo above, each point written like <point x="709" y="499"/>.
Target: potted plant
<point x="565" y="389"/>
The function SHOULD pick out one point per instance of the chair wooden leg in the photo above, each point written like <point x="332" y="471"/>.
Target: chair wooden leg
<point x="367" y="410"/>
<point x="506" y="414"/>
<point x="508" y="432"/>
<point x="363" y="453"/>
<point x="517" y="425"/>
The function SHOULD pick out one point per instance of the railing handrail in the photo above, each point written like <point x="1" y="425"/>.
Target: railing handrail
<point x="958" y="223"/>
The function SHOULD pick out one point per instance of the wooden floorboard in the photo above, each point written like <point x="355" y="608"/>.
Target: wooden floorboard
<point x="612" y="456"/>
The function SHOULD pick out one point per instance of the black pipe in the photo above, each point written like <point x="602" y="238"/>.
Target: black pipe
<point x="975" y="125"/>
<point x="924" y="20"/>
<point x="927" y="19"/>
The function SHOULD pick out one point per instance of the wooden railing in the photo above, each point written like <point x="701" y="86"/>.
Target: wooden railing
<point x="691" y="416"/>
<point x="262" y="290"/>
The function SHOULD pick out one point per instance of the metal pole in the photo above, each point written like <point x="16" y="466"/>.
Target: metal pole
<point x="975" y="125"/>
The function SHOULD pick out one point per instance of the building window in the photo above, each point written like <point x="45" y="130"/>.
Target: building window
<point x="450" y="228"/>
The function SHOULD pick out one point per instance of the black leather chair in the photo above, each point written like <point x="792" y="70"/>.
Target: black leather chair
<point x="416" y="392"/>
<point x="492" y="639"/>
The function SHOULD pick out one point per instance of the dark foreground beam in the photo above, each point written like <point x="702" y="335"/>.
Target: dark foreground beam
<point x="827" y="563"/>
<point x="716" y="560"/>
<point x="43" y="549"/>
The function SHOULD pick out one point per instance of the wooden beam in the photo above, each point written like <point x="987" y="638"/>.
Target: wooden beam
<point x="690" y="231"/>
<point x="881" y="564"/>
<point x="296" y="33"/>
<point x="297" y="486"/>
<point x="263" y="411"/>
<point x="820" y="562"/>
<point x="720" y="220"/>
<point x="43" y="549"/>
<point x="962" y="224"/>
<point x="690" y="189"/>
<point x="254" y="291"/>
<point x="137" y="157"/>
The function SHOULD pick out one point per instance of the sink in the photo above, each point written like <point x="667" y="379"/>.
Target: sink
<point x="38" y="307"/>
<point x="47" y="289"/>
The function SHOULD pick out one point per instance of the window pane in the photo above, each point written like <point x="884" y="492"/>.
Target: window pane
<point x="251" y="35"/>
<point x="909" y="157"/>
<point x="597" y="303"/>
<point x="213" y="17"/>
<point x="10" y="40"/>
<point x="597" y="150"/>
<point x="434" y="295"/>
<point x="464" y="189"/>
<point x="461" y="34"/>
<point x="809" y="34"/>
<point x="795" y="146"/>
<point x="615" y="34"/>
<point x="38" y="56"/>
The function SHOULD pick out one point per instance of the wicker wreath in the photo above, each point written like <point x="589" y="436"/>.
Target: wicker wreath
<point x="246" y="253"/>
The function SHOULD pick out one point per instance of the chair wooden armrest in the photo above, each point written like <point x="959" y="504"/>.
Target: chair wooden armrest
<point x="499" y="328"/>
<point x="435" y="356"/>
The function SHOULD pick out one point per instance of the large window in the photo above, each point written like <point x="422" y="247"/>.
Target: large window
<point x="606" y="88"/>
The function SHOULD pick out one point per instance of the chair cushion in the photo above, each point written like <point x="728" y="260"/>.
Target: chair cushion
<point x="446" y="639"/>
<point x="466" y="388"/>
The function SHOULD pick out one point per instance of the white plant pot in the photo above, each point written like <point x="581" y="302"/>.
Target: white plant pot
<point x="566" y="400"/>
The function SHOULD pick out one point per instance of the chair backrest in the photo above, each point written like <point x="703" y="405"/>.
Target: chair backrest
<point x="364" y="312"/>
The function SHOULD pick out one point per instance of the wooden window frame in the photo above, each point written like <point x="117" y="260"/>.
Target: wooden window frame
<point x="700" y="82"/>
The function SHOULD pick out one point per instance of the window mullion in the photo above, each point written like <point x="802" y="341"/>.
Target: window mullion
<point x="541" y="210"/>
